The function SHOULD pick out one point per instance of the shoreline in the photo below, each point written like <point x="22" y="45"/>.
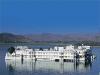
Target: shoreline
<point x="40" y="44"/>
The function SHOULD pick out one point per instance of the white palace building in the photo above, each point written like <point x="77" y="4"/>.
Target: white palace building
<point x="68" y="53"/>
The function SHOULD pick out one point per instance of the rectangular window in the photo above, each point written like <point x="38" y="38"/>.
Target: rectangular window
<point x="17" y="55"/>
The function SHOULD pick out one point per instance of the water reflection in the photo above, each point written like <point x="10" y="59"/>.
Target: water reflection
<point x="10" y="67"/>
<point x="83" y="66"/>
<point x="30" y="65"/>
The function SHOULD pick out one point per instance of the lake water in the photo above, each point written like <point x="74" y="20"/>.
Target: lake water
<point x="10" y="67"/>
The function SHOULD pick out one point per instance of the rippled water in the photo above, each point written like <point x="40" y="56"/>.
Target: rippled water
<point x="10" y="67"/>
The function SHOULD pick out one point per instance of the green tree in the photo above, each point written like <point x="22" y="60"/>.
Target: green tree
<point x="41" y="49"/>
<point x="11" y="50"/>
<point x="49" y="49"/>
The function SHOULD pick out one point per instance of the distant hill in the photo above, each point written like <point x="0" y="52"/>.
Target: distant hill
<point x="64" y="37"/>
<point x="92" y="39"/>
<point x="11" y="38"/>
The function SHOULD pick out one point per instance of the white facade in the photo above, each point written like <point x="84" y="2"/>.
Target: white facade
<point x="58" y="53"/>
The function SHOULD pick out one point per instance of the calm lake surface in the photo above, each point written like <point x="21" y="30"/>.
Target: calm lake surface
<point x="10" y="67"/>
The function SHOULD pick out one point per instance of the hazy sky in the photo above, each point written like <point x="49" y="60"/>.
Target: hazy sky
<point x="22" y="17"/>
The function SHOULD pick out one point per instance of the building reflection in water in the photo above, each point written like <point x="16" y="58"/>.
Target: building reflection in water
<point x="48" y="65"/>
